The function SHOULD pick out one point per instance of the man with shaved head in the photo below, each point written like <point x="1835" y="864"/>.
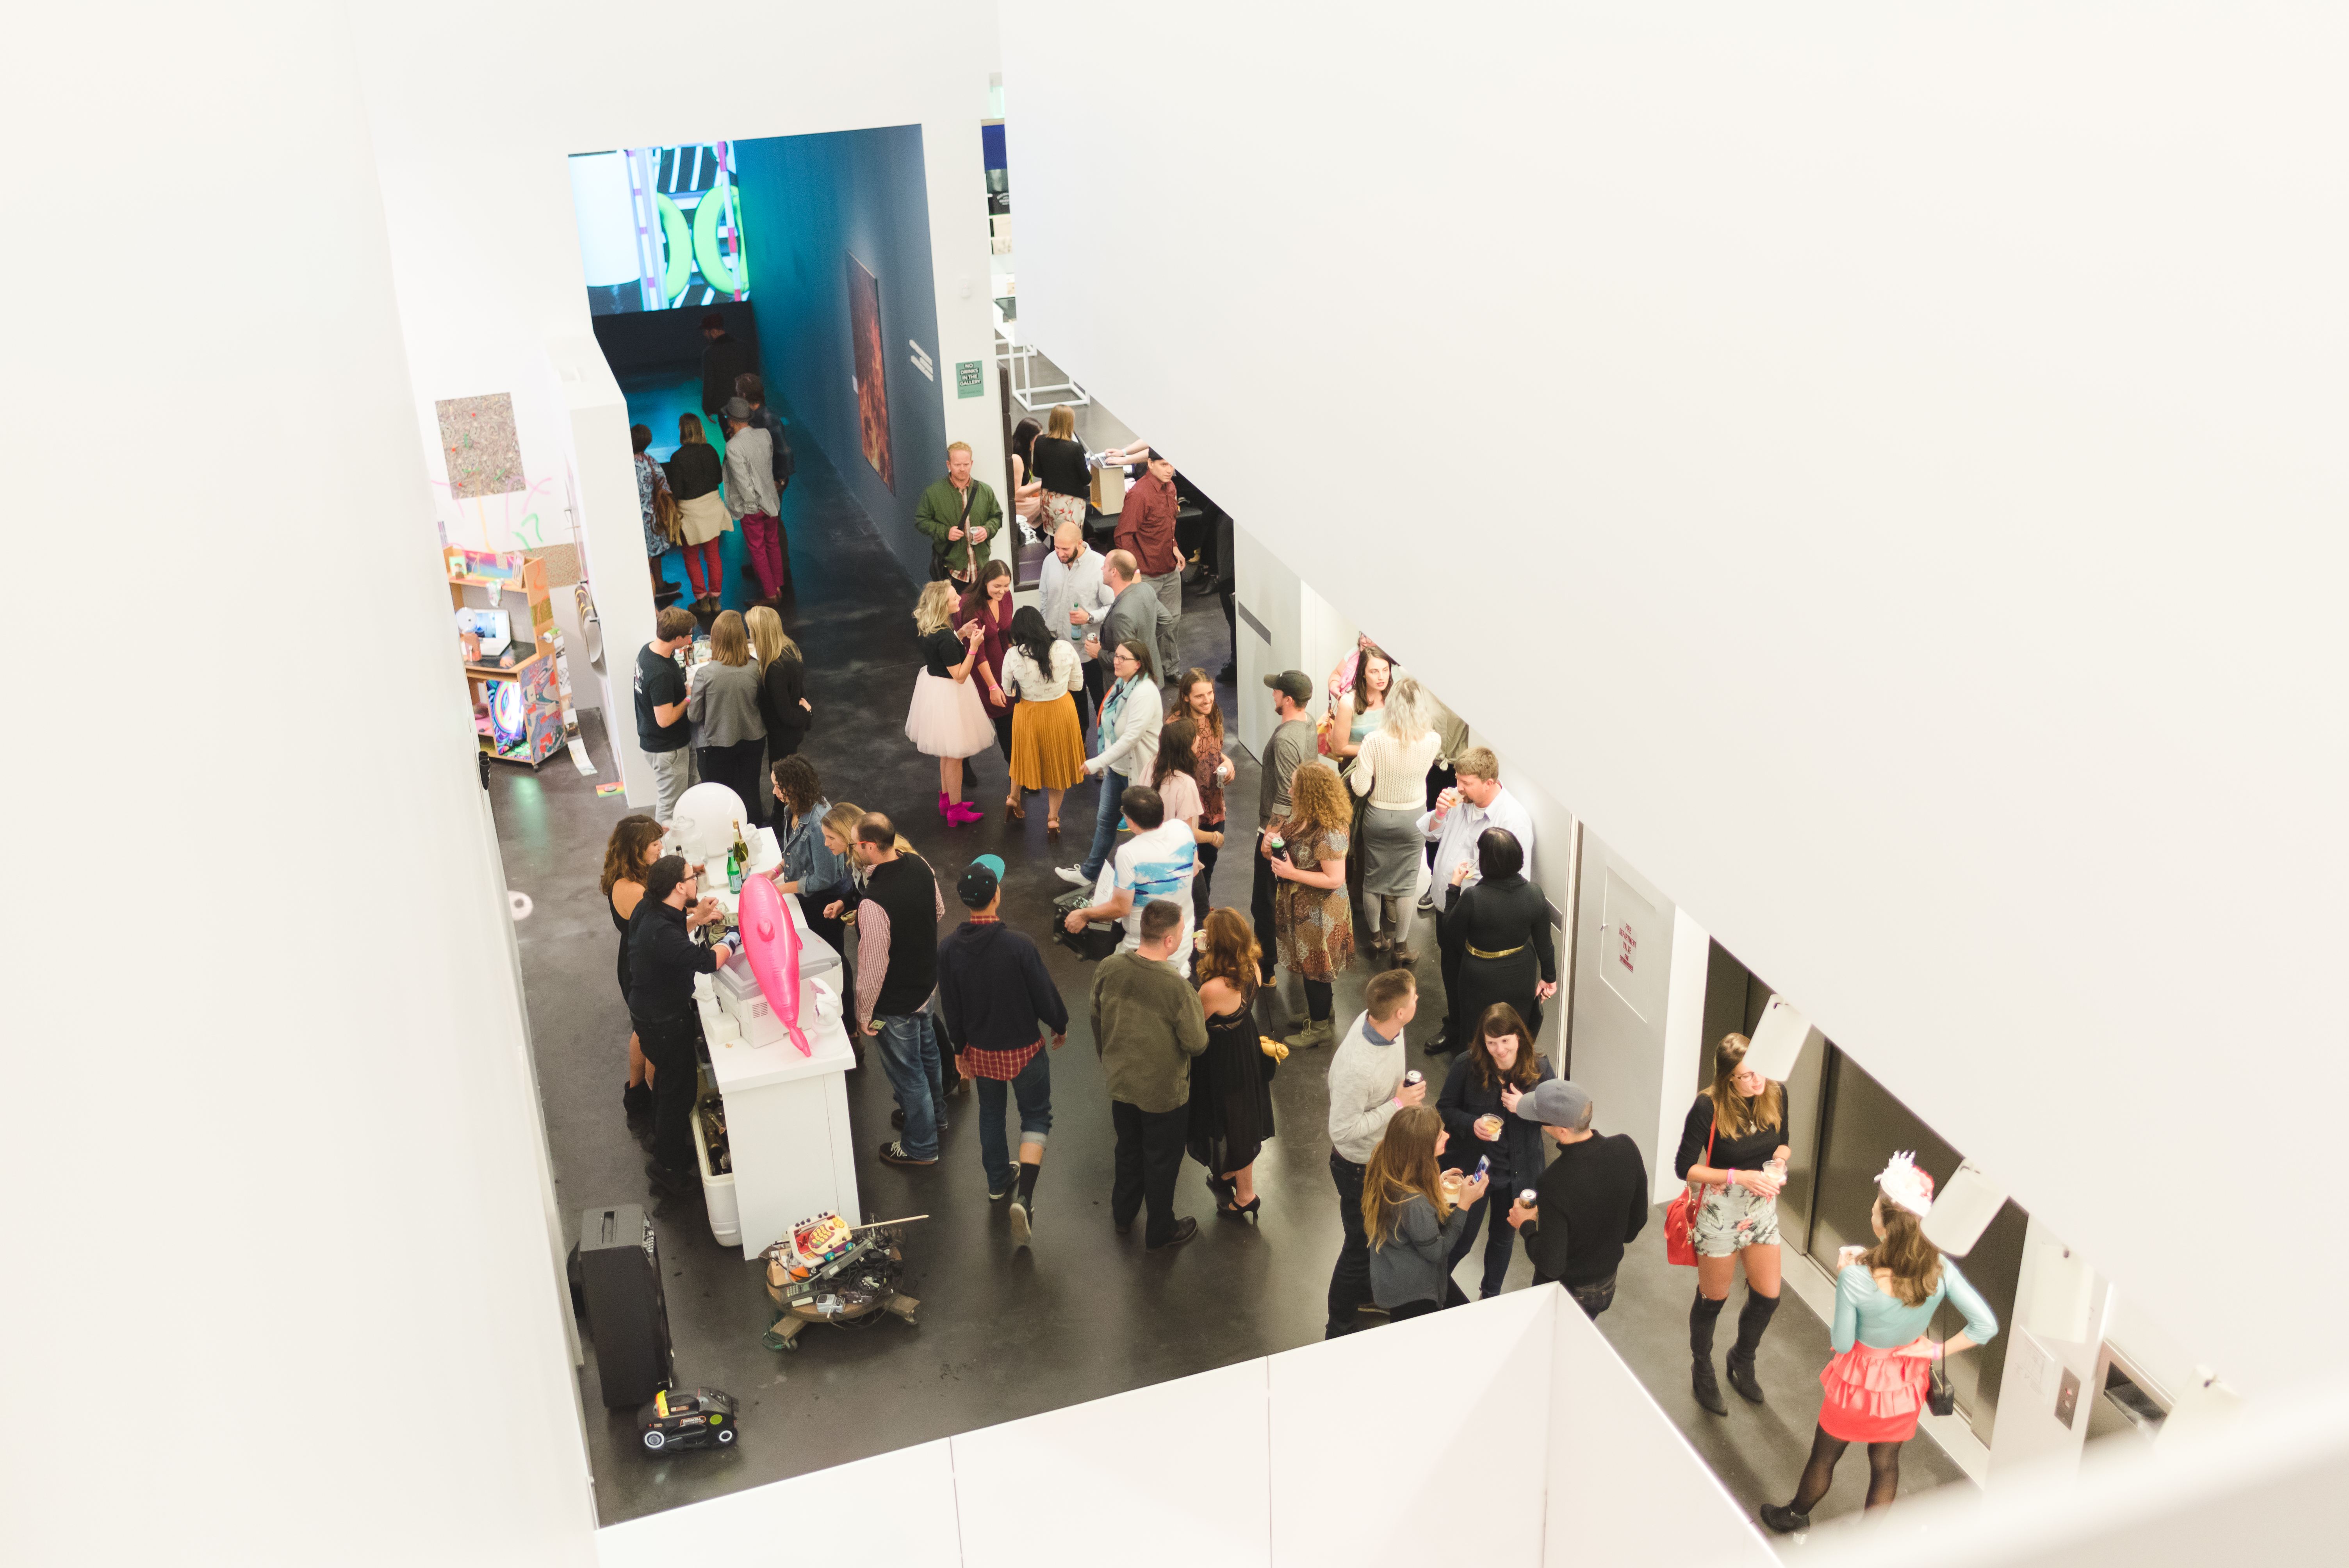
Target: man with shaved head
<point x="1074" y="600"/>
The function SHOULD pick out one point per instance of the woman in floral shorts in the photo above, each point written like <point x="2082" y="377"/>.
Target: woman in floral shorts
<point x="1733" y="1152"/>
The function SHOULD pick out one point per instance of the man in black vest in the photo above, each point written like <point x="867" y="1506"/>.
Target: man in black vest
<point x="896" y="969"/>
<point x="662" y="962"/>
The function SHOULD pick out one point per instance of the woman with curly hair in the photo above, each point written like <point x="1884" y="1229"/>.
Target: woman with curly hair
<point x="635" y="843"/>
<point x="1231" y="1097"/>
<point x="1195" y="699"/>
<point x="1312" y="922"/>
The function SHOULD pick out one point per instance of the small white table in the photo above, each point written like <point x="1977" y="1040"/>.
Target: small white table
<point x="786" y="1114"/>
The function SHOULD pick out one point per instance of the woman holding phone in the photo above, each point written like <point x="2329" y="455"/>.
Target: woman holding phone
<point x="1412" y="1212"/>
<point x="1479" y="1106"/>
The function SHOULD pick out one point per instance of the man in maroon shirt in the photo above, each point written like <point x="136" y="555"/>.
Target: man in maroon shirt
<point x="1146" y="528"/>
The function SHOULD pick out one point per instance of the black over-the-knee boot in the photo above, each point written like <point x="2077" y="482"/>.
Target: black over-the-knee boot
<point x="1702" y="1313"/>
<point x="1751" y="1319"/>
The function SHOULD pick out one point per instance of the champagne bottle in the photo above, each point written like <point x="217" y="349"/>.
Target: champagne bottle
<point x="742" y="850"/>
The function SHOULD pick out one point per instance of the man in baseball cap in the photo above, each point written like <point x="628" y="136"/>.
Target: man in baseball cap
<point x="998" y="1002"/>
<point x="1589" y="1204"/>
<point x="1291" y="746"/>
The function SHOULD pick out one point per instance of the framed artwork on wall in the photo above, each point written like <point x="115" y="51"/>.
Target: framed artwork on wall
<point x="871" y="379"/>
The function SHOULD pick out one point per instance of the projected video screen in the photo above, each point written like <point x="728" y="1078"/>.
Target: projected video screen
<point x="660" y="228"/>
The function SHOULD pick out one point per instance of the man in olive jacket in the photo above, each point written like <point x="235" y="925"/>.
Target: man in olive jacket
<point x="1147" y="1026"/>
<point x="959" y="514"/>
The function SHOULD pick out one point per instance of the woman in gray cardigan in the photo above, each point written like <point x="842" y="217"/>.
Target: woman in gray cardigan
<point x="1412" y="1218"/>
<point x="723" y="703"/>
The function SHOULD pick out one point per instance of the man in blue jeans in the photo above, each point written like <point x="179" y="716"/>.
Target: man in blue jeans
<point x="998" y="1002"/>
<point x="897" y="920"/>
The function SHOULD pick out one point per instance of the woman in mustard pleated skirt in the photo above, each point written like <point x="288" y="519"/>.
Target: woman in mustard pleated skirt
<point x="1043" y="673"/>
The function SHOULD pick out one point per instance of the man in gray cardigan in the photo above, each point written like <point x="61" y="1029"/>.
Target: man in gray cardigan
<point x="1366" y="1089"/>
<point x="1147" y="1026"/>
<point x="1134" y="613"/>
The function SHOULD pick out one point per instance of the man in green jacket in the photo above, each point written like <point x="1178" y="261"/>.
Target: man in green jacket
<point x="1147" y="1026"/>
<point x="961" y="518"/>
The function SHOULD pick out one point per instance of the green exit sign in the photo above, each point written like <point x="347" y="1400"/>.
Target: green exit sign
<point x="967" y="381"/>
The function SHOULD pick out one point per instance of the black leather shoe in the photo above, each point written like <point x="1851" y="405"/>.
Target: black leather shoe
<point x="1184" y="1229"/>
<point x="668" y="1183"/>
<point x="1784" y="1521"/>
<point x="1741" y="1379"/>
<point x="1440" y="1046"/>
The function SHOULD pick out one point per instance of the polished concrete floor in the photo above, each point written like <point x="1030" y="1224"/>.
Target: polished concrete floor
<point x="1004" y="1333"/>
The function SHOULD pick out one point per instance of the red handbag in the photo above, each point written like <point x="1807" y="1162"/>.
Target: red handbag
<point x="1680" y="1219"/>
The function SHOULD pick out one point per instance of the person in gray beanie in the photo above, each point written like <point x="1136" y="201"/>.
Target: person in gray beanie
<point x="1588" y="1205"/>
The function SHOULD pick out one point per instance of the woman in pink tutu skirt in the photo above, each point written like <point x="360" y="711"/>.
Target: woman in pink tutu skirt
<point x="947" y="720"/>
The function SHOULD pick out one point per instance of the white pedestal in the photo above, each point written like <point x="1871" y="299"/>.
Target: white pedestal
<point x="786" y="1121"/>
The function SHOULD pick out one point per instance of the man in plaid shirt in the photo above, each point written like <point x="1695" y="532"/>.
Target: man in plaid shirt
<point x="998" y="1002"/>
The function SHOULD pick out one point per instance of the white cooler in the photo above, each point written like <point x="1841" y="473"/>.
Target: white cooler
<point x="717" y="1190"/>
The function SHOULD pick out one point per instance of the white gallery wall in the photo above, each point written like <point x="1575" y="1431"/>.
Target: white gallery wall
<point x="279" y="1267"/>
<point x="1885" y="470"/>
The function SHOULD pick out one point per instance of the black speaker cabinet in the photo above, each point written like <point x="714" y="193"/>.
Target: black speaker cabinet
<point x="627" y="1317"/>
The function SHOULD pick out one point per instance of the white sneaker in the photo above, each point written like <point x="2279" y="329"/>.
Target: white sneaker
<point x="1022" y="1223"/>
<point x="1073" y="875"/>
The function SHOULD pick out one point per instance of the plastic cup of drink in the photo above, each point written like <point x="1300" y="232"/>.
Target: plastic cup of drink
<point x="1489" y="1125"/>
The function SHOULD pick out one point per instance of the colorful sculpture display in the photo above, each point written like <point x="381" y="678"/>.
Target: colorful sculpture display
<point x="772" y="942"/>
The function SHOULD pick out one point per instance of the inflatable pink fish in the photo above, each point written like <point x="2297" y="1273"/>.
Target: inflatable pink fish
<point x="772" y="942"/>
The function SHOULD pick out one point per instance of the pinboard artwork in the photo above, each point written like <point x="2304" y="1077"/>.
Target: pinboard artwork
<point x="477" y="436"/>
<point x="871" y="379"/>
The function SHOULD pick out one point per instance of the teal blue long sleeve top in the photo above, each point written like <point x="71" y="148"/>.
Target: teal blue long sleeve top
<point x="1865" y="1314"/>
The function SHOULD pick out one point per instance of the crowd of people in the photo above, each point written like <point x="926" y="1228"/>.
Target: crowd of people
<point x="1376" y="814"/>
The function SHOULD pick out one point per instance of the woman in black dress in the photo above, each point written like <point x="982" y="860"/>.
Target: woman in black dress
<point x="1500" y="930"/>
<point x="1231" y="1100"/>
<point x="782" y="700"/>
<point x="635" y="843"/>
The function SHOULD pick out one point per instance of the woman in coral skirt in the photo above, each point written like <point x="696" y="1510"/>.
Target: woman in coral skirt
<point x="1876" y="1386"/>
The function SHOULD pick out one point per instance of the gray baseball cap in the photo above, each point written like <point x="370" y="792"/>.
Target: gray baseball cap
<point x="1296" y="684"/>
<point x="1555" y="1102"/>
<point x="737" y="407"/>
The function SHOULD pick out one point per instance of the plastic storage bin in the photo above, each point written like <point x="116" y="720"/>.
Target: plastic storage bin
<point x="717" y="1190"/>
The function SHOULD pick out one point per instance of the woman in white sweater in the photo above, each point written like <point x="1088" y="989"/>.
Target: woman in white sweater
<point x="1390" y="774"/>
<point x="1041" y="671"/>
<point x="1131" y="716"/>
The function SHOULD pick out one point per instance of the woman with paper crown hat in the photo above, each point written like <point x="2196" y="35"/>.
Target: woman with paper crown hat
<point x="1876" y="1385"/>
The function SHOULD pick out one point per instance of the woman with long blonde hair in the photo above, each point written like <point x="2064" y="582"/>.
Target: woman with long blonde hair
<point x="723" y="701"/>
<point x="694" y="479"/>
<point x="947" y="720"/>
<point x="1878" y="1382"/>
<point x="1734" y="1152"/>
<point x="1390" y="778"/>
<point x="782" y="696"/>
<point x="1312" y="923"/>
<point x="1231" y="1084"/>
<point x="1414" y="1212"/>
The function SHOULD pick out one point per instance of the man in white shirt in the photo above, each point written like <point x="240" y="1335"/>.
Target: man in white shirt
<point x="1475" y="802"/>
<point x="1158" y="861"/>
<point x="1073" y="599"/>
